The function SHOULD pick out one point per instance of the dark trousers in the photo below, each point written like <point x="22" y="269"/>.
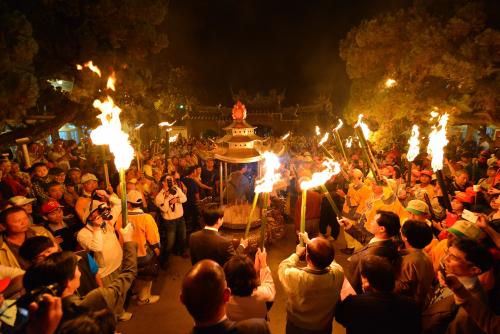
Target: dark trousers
<point x="172" y="233"/>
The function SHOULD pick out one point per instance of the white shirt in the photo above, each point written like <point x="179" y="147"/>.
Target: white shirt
<point x="174" y="210"/>
<point x="107" y="250"/>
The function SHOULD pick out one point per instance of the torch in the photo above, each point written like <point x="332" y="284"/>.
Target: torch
<point x="110" y="132"/>
<point x="138" y="155"/>
<point x="337" y="134"/>
<point x="362" y="131"/>
<point x="437" y="142"/>
<point x="330" y="168"/>
<point x="264" y="186"/>
<point x="413" y="151"/>
<point x="167" y="139"/>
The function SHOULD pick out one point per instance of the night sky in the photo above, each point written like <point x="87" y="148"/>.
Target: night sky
<point x="258" y="45"/>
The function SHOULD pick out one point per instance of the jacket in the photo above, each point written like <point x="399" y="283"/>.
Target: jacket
<point x="7" y="258"/>
<point x="383" y="248"/>
<point x="209" y="244"/>
<point x="106" y="297"/>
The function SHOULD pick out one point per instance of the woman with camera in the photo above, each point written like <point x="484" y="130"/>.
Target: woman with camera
<point x="172" y="225"/>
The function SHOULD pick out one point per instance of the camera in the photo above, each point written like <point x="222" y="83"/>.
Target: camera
<point x="171" y="187"/>
<point x="104" y="211"/>
<point x="36" y="296"/>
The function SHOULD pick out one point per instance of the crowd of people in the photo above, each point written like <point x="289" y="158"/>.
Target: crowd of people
<point x="422" y="255"/>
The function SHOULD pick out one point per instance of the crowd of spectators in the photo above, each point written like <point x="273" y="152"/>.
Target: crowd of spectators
<point x="416" y="263"/>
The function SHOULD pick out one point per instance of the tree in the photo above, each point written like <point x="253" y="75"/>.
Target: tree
<point x="440" y="54"/>
<point x="18" y="85"/>
<point x="117" y="35"/>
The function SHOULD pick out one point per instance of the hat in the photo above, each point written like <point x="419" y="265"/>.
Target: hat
<point x="134" y="197"/>
<point x="50" y="206"/>
<point x="426" y="172"/>
<point x="4" y="283"/>
<point x="417" y="207"/>
<point x="465" y="229"/>
<point x="20" y="200"/>
<point x="463" y="197"/>
<point x="88" y="177"/>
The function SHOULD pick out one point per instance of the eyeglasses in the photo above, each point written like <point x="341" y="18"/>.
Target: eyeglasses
<point x="454" y="257"/>
<point x="99" y="217"/>
<point x="58" y="210"/>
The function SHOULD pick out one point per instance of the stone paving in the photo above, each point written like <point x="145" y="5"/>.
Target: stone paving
<point x="170" y="316"/>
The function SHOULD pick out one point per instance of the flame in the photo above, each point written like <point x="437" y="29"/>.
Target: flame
<point x="90" y="66"/>
<point x="339" y="125"/>
<point x="414" y="142"/>
<point x="166" y="123"/>
<point x="437" y="142"/>
<point x="173" y="139"/>
<point x="318" y="132"/>
<point x="285" y="136"/>
<point x="111" y="82"/>
<point x="331" y="168"/>
<point x="271" y="164"/>
<point x="390" y="83"/>
<point x="348" y="142"/>
<point x="110" y="132"/>
<point x="324" y="139"/>
<point x="364" y="127"/>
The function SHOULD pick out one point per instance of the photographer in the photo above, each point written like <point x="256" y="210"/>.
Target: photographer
<point x="98" y="236"/>
<point x="172" y="225"/>
<point x="61" y="269"/>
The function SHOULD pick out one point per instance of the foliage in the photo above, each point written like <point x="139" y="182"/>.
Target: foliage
<point x="441" y="54"/>
<point x="125" y="36"/>
<point x="18" y="85"/>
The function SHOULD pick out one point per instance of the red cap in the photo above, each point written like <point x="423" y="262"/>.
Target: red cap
<point x="50" y="206"/>
<point x="4" y="283"/>
<point x="426" y="172"/>
<point x="464" y="197"/>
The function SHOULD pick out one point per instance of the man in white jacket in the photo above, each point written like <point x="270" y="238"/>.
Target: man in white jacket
<point x="172" y="225"/>
<point x="98" y="236"/>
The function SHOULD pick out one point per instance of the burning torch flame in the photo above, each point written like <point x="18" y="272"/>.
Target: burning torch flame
<point x="331" y="168"/>
<point x="364" y="127"/>
<point x="437" y="142"/>
<point x="390" y="83"/>
<point x="271" y="165"/>
<point x="414" y="142"/>
<point x="285" y="136"/>
<point x="348" y="142"/>
<point x="90" y="66"/>
<point x="339" y="125"/>
<point x="110" y="132"/>
<point x="318" y="132"/>
<point x="173" y="139"/>
<point x="324" y="139"/>
<point x="166" y="123"/>
<point x="111" y="82"/>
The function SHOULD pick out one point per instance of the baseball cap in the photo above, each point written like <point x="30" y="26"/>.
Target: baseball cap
<point x="426" y="172"/>
<point x="417" y="207"/>
<point x="4" y="283"/>
<point x="134" y="197"/>
<point x="463" y="197"/>
<point x="465" y="229"/>
<point x="88" y="177"/>
<point x="20" y="200"/>
<point x="50" y="206"/>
